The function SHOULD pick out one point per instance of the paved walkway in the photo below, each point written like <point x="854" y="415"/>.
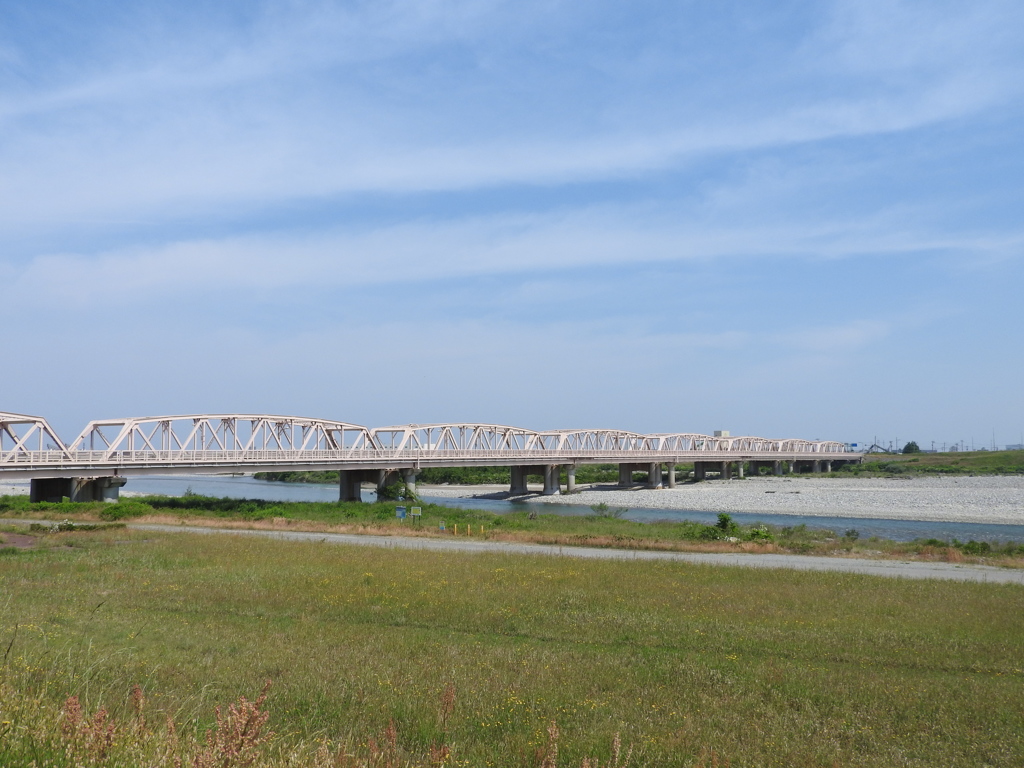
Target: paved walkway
<point x="896" y="568"/>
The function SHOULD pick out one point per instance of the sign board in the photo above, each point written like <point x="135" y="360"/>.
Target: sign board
<point x="400" y="513"/>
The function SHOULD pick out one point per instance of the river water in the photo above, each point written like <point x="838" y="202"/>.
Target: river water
<point x="245" y="487"/>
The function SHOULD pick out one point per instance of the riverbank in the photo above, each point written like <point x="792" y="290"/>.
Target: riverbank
<point x="991" y="499"/>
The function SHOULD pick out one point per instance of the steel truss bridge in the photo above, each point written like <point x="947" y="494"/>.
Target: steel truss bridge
<point x="226" y="443"/>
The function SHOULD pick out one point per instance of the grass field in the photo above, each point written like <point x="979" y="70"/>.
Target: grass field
<point x="397" y="658"/>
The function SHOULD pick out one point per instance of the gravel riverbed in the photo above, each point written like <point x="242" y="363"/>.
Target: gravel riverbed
<point x="964" y="499"/>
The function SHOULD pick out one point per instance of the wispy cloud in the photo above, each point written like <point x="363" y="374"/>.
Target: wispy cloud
<point x="320" y="100"/>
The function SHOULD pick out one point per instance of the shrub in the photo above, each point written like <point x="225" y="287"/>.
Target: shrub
<point x="124" y="509"/>
<point x="726" y="524"/>
<point x="603" y="510"/>
<point x="396" y="492"/>
<point x="760" y="533"/>
<point x="973" y="547"/>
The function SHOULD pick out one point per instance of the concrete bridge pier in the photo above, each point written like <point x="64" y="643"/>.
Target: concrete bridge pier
<point x="777" y="468"/>
<point x="625" y="475"/>
<point x="78" y="489"/>
<point x="725" y="473"/>
<point x="570" y="478"/>
<point x="409" y="478"/>
<point x="654" y="476"/>
<point x="518" y="486"/>
<point x="739" y="469"/>
<point x="700" y="470"/>
<point x="386" y="477"/>
<point x="350" y="483"/>
<point x="552" y="485"/>
<point x="671" y="474"/>
<point x="791" y="468"/>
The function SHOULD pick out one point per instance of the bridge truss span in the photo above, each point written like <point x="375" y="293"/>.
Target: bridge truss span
<point x="433" y="438"/>
<point x="21" y="434"/>
<point x="231" y="443"/>
<point x="232" y="434"/>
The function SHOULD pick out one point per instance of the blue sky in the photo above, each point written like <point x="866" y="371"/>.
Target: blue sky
<point x="788" y="219"/>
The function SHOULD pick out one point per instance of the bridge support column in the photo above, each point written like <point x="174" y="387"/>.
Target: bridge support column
<point x="625" y="475"/>
<point x="350" y="483"/>
<point x="776" y="468"/>
<point x="385" y="477"/>
<point x="518" y="487"/>
<point x="77" y="489"/>
<point x="552" y="486"/>
<point x="816" y="467"/>
<point x="827" y="466"/>
<point x="791" y="468"/>
<point x="671" y="474"/>
<point x="654" y="476"/>
<point x="570" y="478"/>
<point x="726" y="470"/>
<point x="739" y="469"/>
<point x="700" y="470"/>
<point x="409" y="478"/>
<point x="108" y="488"/>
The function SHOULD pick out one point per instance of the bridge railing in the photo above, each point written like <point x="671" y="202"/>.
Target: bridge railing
<point x="241" y="458"/>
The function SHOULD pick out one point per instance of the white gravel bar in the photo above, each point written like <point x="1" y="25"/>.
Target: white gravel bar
<point x="962" y="499"/>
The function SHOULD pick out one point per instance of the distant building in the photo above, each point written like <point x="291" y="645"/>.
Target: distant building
<point x="721" y="433"/>
<point x="1015" y="447"/>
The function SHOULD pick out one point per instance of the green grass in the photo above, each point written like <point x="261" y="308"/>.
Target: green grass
<point x="962" y="463"/>
<point x="766" y="668"/>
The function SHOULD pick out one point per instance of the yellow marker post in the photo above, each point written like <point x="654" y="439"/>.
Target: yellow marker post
<point x="456" y="529"/>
